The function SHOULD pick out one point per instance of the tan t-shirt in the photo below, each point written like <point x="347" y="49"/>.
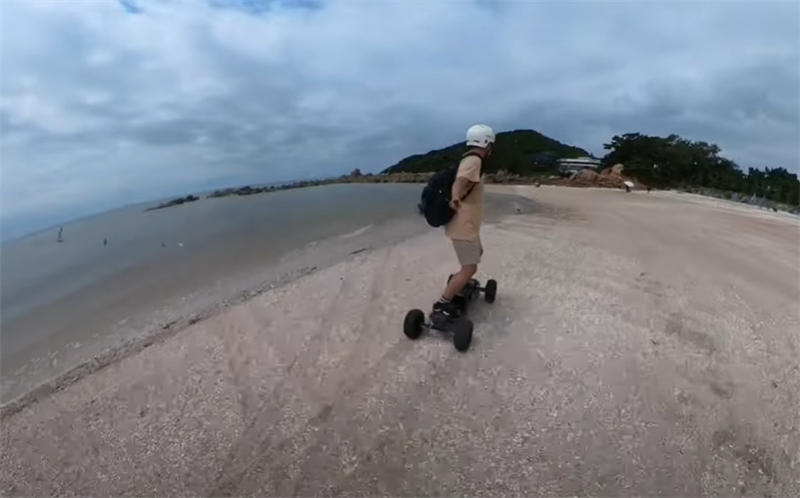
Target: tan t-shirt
<point x="466" y="223"/>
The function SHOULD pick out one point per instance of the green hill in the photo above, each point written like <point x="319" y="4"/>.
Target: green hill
<point x="523" y="152"/>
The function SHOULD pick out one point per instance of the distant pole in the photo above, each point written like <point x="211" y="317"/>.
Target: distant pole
<point x="60" y="234"/>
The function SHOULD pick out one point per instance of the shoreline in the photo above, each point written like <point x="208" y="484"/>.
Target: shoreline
<point x="33" y="376"/>
<point x="496" y="178"/>
<point x="132" y="346"/>
<point x="150" y="326"/>
<point x="288" y="268"/>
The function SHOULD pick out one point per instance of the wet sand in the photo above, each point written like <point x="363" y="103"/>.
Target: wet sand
<point x="641" y="344"/>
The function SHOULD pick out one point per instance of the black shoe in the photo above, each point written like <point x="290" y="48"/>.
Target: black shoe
<point x="461" y="302"/>
<point x="448" y="310"/>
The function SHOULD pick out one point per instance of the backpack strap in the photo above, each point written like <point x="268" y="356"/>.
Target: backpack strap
<point x="468" y="192"/>
<point x="479" y="156"/>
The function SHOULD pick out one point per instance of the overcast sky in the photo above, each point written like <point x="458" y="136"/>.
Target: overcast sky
<point x="106" y="103"/>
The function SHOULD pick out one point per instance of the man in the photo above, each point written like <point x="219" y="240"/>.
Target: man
<point x="464" y="228"/>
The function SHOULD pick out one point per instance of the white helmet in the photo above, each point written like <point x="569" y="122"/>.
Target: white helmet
<point x="480" y="135"/>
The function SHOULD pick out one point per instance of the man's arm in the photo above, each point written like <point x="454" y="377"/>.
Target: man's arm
<point x="461" y="186"/>
<point x="469" y="174"/>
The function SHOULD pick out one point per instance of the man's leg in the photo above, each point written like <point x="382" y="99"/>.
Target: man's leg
<point x="458" y="281"/>
<point x="469" y="254"/>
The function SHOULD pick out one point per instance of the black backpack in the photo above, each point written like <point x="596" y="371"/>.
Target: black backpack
<point x="435" y="201"/>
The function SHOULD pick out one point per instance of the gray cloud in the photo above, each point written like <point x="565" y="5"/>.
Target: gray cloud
<point x="104" y="103"/>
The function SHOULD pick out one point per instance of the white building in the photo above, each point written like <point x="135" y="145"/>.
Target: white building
<point x="571" y="165"/>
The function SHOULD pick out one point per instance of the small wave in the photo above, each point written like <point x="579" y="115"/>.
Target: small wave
<point x="356" y="233"/>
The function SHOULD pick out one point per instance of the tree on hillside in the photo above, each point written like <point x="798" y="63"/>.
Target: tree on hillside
<point x="773" y="183"/>
<point x="677" y="162"/>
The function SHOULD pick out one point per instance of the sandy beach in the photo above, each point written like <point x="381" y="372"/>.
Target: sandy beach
<point x="640" y="344"/>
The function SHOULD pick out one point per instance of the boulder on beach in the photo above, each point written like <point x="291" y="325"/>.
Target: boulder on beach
<point x="609" y="178"/>
<point x="614" y="171"/>
<point x="584" y="178"/>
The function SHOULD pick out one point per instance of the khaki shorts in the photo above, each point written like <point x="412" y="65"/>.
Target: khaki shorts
<point x="469" y="252"/>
